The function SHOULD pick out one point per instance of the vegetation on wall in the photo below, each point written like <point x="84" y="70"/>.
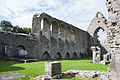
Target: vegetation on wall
<point x="7" y="26"/>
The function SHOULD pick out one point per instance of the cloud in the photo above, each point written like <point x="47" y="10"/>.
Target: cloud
<point x="76" y="12"/>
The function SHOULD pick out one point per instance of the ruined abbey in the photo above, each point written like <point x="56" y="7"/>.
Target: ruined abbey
<point x="60" y="40"/>
<point x="57" y="39"/>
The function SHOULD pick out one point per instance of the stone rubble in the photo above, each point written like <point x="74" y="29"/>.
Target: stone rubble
<point x="102" y="75"/>
<point x="11" y="75"/>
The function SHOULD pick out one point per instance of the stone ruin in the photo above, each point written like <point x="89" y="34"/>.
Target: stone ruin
<point x="52" y="68"/>
<point x="56" y="40"/>
<point x="53" y="71"/>
<point x="51" y="38"/>
<point x="114" y="37"/>
<point x="60" y="40"/>
<point x="96" y="54"/>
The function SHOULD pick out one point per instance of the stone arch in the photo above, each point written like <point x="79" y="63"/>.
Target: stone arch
<point x="99" y="21"/>
<point x="45" y="56"/>
<point x="21" y="47"/>
<point x="74" y="55"/>
<point x="67" y="56"/>
<point x="96" y="36"/>
<point x="58" y="55"/>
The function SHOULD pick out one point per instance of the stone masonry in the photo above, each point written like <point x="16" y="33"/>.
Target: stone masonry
<point x="114" y="37"/>
<point x="98" y="22"/>
<point x="51" y="38"/>
<point x="60" y="40"/>
<point x="57" y="40"/>
<point x="52" y="68"/>
<point x="96" y="54"/>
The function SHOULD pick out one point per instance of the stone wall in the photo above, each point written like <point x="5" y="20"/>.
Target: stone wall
<point x="114" y="37"/>
<point x="59" y="39"/>
<point x="97" y="23"/>
<point x="56" y="40"/>
<point x="22" y="41"/>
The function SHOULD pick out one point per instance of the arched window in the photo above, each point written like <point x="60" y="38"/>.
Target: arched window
<point x="99" y="35"/>
<point x="58" y="56"/>
<point x="51" y="29"/>
<point x="46" y="56"/>
<point x="74" y="55"/>
<point x="67" y="55"/>
<point x="41" y="24"/>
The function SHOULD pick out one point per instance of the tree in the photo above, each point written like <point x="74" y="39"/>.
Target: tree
<point x="26" y="30"/>
<point x="17" y="29"/>
<point x="6" y="26"/>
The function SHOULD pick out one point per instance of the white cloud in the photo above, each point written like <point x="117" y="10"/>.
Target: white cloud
<point x="24" y="20"/>
<point x="76" y="12"/>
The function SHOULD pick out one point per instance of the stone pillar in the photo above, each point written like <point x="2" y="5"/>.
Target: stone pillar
<point x="36" y="25"/>
<point x="46" y="28"/>
<point x="96" y="54"/>
<point x="68" y="38"/>
<point x="55" y="30"/>
<point x="62" y="33"/>
<point x="105" y="57"/>
<point x="52" y="68"/>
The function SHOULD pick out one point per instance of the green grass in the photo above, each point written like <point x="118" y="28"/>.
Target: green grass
<point x="37" y="68"/>
<point x="107" y="62"/>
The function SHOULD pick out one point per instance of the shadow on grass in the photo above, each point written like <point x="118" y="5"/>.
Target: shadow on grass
<point x="6" y="66"/>
<point x="86" y="58"/>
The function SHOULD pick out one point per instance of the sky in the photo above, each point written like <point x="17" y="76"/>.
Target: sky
<point x="102" y="36"/>
<point x="76" y="12"/>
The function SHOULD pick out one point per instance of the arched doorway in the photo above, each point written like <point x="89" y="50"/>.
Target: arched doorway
<point x="46" y="56"/>
<point x="58" y="56"/>
<point x="74" y="55"/>
<point x="67" y="55"/>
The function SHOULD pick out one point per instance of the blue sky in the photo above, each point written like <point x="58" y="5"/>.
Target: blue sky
<point x="76" y="12"/>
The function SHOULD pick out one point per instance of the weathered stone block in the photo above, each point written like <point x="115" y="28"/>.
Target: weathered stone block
<point x="52" y="68"/>
<point x="96" y="54"/>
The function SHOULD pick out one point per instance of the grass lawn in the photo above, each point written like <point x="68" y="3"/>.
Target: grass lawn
<point x="37" y="68"/>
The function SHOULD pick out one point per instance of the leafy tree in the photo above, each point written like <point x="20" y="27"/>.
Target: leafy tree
<point x="17" y="29"/>
<point x="26" y="30"/>
<point x="6" y="26"/>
